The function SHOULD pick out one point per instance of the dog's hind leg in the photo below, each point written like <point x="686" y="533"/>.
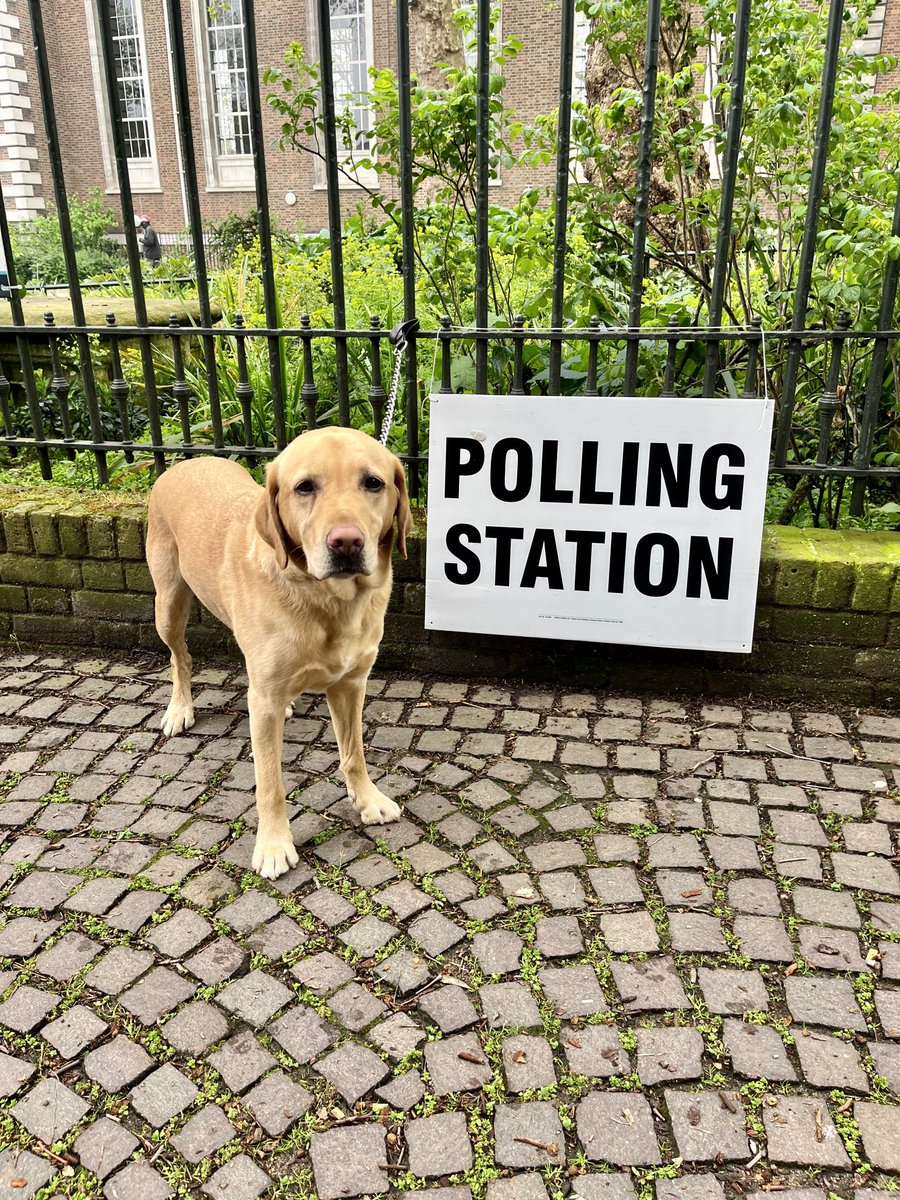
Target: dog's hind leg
<point x="173" y="606"/>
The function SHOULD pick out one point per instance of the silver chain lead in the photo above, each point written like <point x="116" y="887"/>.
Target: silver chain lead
<point x="392" y="397"/>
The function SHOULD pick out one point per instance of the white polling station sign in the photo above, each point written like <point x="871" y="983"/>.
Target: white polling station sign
<point x="611" y="519"/>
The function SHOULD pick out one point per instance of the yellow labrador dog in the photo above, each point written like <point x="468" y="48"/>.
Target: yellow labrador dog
<point x="300" y="570"/>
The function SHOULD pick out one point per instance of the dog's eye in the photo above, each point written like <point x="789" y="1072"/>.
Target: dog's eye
<point x="305" y="487"/>
<point x="372" y="483"/>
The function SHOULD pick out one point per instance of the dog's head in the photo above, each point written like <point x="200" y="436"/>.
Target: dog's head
<point x="333" y="495"/>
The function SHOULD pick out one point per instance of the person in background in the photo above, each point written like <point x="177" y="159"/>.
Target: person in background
<point x="149" y="239"/>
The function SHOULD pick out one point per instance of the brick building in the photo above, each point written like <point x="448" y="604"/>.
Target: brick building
<point x="363" y="35"/>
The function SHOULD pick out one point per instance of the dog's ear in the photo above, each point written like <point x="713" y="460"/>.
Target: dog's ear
<point x="268" y="518"/>
<point x="403" y="513"/>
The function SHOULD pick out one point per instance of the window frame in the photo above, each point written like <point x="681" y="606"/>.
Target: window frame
<point x="224" y="172"/>
<point x="347" y="177"/>
<point x="143" y="173"/>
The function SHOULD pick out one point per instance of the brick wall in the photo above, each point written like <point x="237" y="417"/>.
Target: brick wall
<point x="72" y="572"/>
<point x="532" y="89"/>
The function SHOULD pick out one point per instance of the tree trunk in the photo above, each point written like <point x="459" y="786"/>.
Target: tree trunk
<point x="434" y="38"/>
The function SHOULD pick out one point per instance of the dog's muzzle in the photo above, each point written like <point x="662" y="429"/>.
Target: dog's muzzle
<point x="346" y="551"/>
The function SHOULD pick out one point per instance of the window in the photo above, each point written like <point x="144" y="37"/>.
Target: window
<point x="228" y="76"/>
<point x="131" y="91"/>
<point x="350" y="62"/>
<point x="132" y="96"/>
<point x="351" y="59"/>
<point x="221" y="49"/>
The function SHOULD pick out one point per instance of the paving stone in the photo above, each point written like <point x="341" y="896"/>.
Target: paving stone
<point x="800" y="1131"/>
<point x="828" y="1002"/>
<point x="573" y="991"/>
<point x="14" y="1074"/>
<point x="303" y="1034"/>
<point x="602" y="1187"/>
<point x="97" y="896"/>
<point x="27" y="1008"/>
<point x="117" y="1064"/>
<point x="450" y="1008"/>
<point x="403" y="1092"/>
<point x="869" y="874"/>
<point x="498" y="952"/>
<point x="162" y="1095"/>
<point x="23" y="936"/>
<point x="649" y="986"/>
<point x="104" y="1146"/>
<point x="137" y="1181"/>
<point x="831" y="949"/>
<point x="239" y="1179"/>
<point x="322" y="973"/>
<point x="277" y="939"/>
<point x="666" y="1055"/>
<point x="690" y="1187"/>
<point x="195" y="1028"/>
<point x="887" y="1005"/>
<point x="729" y="991"/>
<point x="880" y="1129"/>
<point x="885" y="1054"/>
<point x="73" y="1031"/>
<point x="368" y="935"/>
<point x="438" y="1145"/>
<point x="697" y="933"/>
<point x="518" y="1126"/>
<point x="684" y="889"/>
<point x="616" y="885"/>
<point x="179" y="935"/>
<point x="135" y="910"/>
<point x="763" y="939"/>
<point x="277" y="1102"/>
<point x="558" y="937"/>
<point x="457" y="1064"/>
<point x="23" y="1170"/>
<point x="509" y="1006"/>
<point x="349" y="1161"/>
<point x="156" y="994"/>
<point x="435" y="933"/>
<point x="708" y="1126"/>
<point x="757" y="1052"/>
<point x="627" y="933"/>
<point x="617" y="1128"/>
<point x="398" y="1036"/>
<point x="355" y="1007"/>
<point x="43" y="890"/>
<point x="352" y="1070"/>
<point x="255" y="998"/>
<point x="756" y="897"/>
<point x="826" y="907"/>
<point x="217" y="962"/>
<point x="404" y="899"/>
<point x="594" y="1051"/>
<point x="249" y="911"/>
<point x="49" y="1110"/>
<point x="518" y="1187"/>
<point x="205" y="1133"/>
<point x="527" y="1063"/>
<point x="241" y="1060"/>
<point x="830" y="1062"/>
<point x="562" y="890"/>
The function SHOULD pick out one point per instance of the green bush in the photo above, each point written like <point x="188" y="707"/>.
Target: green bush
<point x="37" y="245"/>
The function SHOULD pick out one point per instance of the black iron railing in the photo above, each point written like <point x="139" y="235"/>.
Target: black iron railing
<point x="39" y="416"/>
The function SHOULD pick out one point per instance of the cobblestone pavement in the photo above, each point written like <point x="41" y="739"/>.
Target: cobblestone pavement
<point x="615" y="947"/>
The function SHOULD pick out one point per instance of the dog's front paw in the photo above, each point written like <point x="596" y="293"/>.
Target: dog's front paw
<point x="178" y="717"/>
<point x="378" y="809"/>
<point x="273" y="856"/>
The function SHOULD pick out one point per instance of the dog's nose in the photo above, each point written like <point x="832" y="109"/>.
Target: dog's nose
<point x="345" y="540"/>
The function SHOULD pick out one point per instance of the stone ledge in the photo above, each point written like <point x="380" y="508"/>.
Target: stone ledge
<point x="828" y="617"/>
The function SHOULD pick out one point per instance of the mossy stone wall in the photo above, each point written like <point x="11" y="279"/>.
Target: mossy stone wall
<point x="72" y="572"/>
